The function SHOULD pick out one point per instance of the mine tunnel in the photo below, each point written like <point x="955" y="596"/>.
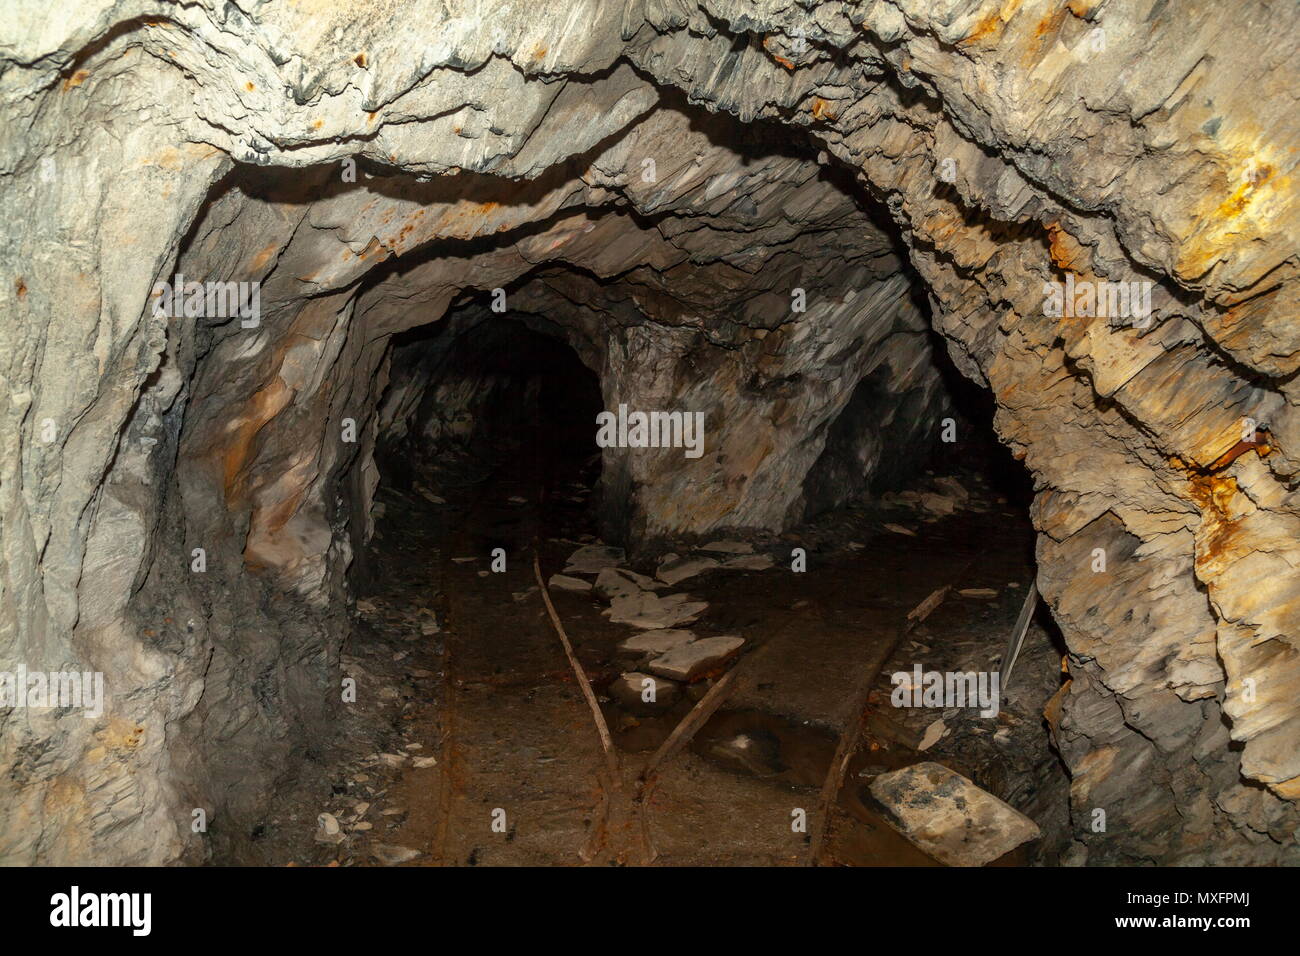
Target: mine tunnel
<point x="708" y="443"/>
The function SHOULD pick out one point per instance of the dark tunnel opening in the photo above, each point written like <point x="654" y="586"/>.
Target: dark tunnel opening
<point x="493" y="394"/>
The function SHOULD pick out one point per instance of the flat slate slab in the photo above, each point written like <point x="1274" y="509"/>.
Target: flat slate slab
<point x="645" y="582"/>
<point x="656" y="642"/>
<point x="563" y="582"/>
<point x="691" y="660"/>
<point x="728" y="546"/>
<point x="949" y="817"/>
<point x="593" y="558"/>
<point x="630" y="690"/>
<point x="674" y="570"/>
<point x="615" y="583"/>
<point x="648" y="610"/>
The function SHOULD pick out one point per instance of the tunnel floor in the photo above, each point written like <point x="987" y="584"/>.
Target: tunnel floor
<point x="471" y="744"/>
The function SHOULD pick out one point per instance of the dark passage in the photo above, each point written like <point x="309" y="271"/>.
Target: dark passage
<point x="483" y="395"/>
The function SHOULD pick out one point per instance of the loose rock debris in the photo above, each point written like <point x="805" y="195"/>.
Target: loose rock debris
<point x="657" y="677"/>
<point x="949" y="817"/>
<point x="564" y="582"/>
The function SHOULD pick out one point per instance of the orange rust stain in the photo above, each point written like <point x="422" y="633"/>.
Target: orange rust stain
<point x="1065" y="250"/>
<point x="265" y="405"/>
<point x="539" y="51"/>
<point x="375" y="247"/>
<point x="20" y="287"/>
<point x="1051" y="23"/>
<point x="1221" y="491"/>
<point x="272" y="521"/>
<point x="1052" y="709"/>
<point x="167" y="158"/>
<point x="76" y="79"/>
<point x="370" y="117"/>
<point x="986" y="27"/>
<point x="249" y="86"/>
<point x="318" y="124"/>
<point x="264" y="256"/>
<point x="1047" y="27"/>
<point x="1212" y="495"/>
<point x="822" y="110"/>
<point x="360" y="60"/>
<point x="788" y="64"/>
<point x="1260" y="444"/>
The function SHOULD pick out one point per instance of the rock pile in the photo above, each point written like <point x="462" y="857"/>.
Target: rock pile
<point x="672" y="655"/>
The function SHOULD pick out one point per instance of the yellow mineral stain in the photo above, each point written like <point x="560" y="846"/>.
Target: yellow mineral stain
<point x="1254" y="197"/>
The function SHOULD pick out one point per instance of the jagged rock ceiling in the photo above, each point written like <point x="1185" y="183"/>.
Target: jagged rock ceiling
<point x="848" y="149"/>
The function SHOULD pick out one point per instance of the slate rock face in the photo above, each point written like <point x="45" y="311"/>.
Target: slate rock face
<point x="992" y="149"/>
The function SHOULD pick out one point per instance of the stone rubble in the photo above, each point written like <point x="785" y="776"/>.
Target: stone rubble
<point x="949" y="817"/>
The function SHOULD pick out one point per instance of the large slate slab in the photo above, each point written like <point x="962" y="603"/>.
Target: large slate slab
<point x="647" y="610"/>
<point x="950" y="818"/>
<point x="688" y="661"/>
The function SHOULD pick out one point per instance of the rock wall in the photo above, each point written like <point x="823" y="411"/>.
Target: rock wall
<point x="372" y="170"/>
